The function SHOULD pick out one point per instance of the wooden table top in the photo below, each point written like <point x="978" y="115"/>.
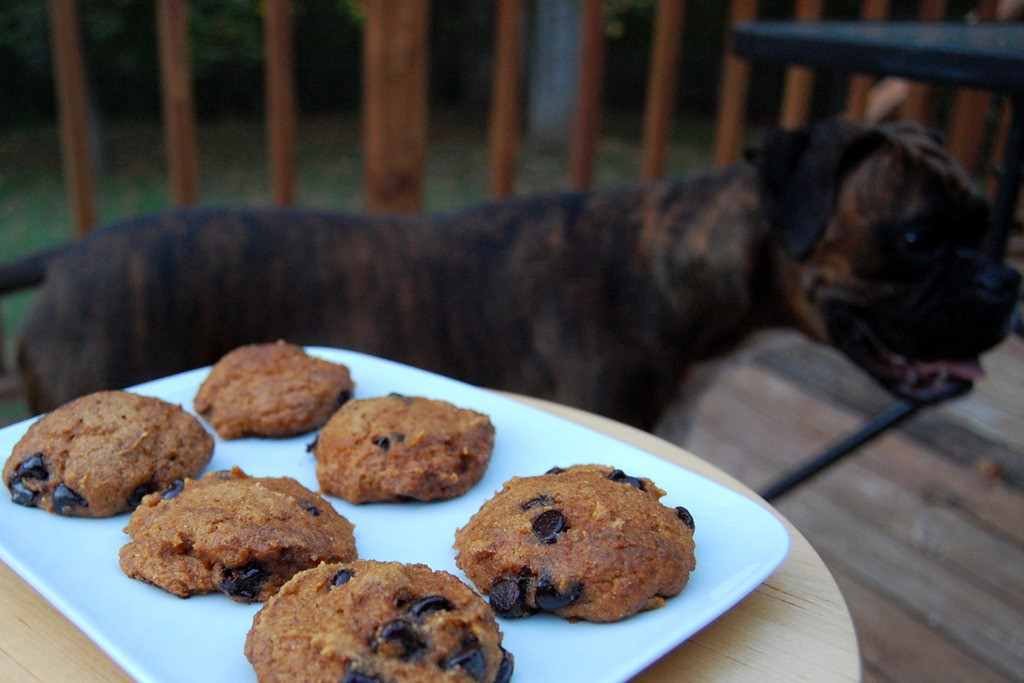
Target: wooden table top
<point x="794" y="627"/>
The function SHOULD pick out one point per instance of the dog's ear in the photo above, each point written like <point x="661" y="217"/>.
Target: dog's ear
<point x="800" y="173"/>
<point x="910" y="130"/>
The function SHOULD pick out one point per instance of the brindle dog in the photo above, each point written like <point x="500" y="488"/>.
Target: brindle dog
<point x="863" y="237"/>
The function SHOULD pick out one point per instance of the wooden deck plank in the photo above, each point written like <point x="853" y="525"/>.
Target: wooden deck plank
<point x="985" y="426"/>
<point x="980" y="623"/>
<point x="933" y="476"/>
<point x="937" y="533"/>
<point x="925" y="539"/>
<point x="897" y="647"/>
<point x="993" y="506"/>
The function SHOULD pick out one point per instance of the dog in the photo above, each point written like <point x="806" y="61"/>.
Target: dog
<point x="864" y="237"/>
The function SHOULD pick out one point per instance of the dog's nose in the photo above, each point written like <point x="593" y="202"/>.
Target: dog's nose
<point x="998" y="281"/>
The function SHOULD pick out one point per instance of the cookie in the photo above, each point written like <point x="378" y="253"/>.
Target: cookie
<point x="98" y="455"/>
<point x="368" y="621"/>
<point x="271" y="390"/>
<point x="396" y="448"/>
<point x="229" y="532"/>
<point x="588" y="542"/>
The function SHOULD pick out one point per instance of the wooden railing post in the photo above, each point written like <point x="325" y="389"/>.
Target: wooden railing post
<point x="998" y="154"/>
<point x="179" y="112"/>
<point x="586" y="117"/>
<point x="860" y="84"/>
<point x="732" y="95"/>
<point x="661" y="86"/>
<point x="280" y="93"/>
<point x="799" y="85"/>
<point x="506" y="96"/>
<point x="395" y="54"/>
<point x="965" y="134"/>
<point x="69" y="78"/>
<point x="920" y="102"/>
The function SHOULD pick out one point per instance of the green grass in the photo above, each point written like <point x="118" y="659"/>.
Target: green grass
<point x="35" y="214"/>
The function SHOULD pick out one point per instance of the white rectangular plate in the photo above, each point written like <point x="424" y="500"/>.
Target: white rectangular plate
<point x="155" y="636"/>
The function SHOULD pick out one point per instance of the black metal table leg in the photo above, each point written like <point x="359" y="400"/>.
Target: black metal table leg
<point x="1004" y="205"/>
<point x="890" y="418"/>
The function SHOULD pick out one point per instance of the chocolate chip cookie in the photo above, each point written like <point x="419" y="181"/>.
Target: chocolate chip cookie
<point x="395" y="448"/>
<point x="243" y="536"/>
<point x="588" y="542"/>
<point x="271" y="390"/>
<point x="367" y="621"/>
<point x="98" y="455"/>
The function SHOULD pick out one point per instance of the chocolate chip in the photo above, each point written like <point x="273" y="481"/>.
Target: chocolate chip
<point x="173" y="489"/>
<point x="33" y="467"/>
<point x="360" y="677"/>
<point x="311" y="446"/>
<point x="398" y="639"/>
<point x="542" y="499"/>
<point x="547" y="525"/>
<point x="246" y="582"/>
<point x="139" y="493"/>
<point x="341" y="577"/>
<point x="405" y="399"/>
<point x="65" y="499"/>
<point x="309" y="507"/>
<point x="344" y="397"/>
<point x="684" y="514"/>
<point x="384" y="442"/>
<point x="548" y="598"/>
<point x="506" y="599"/>
<point x="21" y="494"/>
<point x="555" y="470"/>
<point x="429" y="604"/>
<point x="470" y="658"/>
<point x="623" y="478"/>
<point x="504" y="674"/>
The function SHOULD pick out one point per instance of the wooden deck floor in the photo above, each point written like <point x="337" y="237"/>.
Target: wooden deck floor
<point x="923" y="528"/>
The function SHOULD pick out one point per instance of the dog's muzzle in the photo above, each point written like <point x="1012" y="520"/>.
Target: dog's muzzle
<point x="927" y="349"/>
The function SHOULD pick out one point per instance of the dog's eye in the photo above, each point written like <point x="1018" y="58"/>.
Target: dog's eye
<point x="921" y="242"/>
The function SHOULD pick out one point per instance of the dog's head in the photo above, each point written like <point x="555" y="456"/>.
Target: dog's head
<point x="879" y="235"/>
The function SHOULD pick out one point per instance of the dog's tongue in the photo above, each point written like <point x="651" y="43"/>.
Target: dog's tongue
<point x="936" y="380"/>
<point x="930" y="377"/>
<point x="920" y="380"/>
<point x="967" y="369"/>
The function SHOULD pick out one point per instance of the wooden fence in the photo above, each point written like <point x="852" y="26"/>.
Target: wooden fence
<point x="395" y="73"/>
